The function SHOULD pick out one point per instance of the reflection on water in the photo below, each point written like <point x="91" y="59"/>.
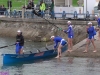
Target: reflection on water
<point x="63" y="66"/>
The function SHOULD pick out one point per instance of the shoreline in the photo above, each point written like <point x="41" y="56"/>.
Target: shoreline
<point x="80" y="47"/>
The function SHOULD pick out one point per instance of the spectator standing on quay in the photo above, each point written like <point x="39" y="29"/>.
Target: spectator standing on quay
<point x="52" y="6"/>
<point x="32" y="3"/>
<point x="29" y="6"/>
<point x="52" y="9"/>
<point x="42" y="7"/>
<point x="2" y="9"/>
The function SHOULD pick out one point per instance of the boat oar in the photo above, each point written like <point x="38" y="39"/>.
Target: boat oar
<point x="6" y="46"/>
<point x="36" y="13"/>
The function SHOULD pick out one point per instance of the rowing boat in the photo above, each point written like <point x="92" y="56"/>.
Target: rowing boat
<point x="31" y="56"/>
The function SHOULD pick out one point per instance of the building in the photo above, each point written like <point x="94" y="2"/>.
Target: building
<point x="63" y="2"/>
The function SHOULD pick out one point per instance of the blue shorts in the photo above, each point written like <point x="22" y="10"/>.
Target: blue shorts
<point x="70" y="37"/>
<point x="63" y="42"/>
<point x="18" y="48"/>
<point x="90" y="37"/>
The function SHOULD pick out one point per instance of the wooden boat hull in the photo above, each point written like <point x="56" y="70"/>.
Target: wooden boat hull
<point x="16" y="58"/>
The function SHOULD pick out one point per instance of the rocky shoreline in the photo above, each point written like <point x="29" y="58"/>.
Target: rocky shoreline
<point x="80" y="47"/>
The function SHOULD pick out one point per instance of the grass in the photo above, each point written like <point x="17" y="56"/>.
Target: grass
<point x="74" y="3"/>
<point x="16" y="4"/>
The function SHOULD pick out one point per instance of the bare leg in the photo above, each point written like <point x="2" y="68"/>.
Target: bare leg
<point x="94" y="45"/>
<point x="60" y="46"/>
<point x="87" y="44"/>
<point x="99" y="34"/>
<point x="21" y="51"/>
<point x="69" y="45"/>
<point x="71" y="42"/>
<point x="59" y="51"/>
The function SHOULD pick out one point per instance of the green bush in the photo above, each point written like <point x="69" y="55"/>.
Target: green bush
<point x="74" y="2"/>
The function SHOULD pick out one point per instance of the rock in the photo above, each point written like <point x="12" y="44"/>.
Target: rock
<point x="40" y="30"/>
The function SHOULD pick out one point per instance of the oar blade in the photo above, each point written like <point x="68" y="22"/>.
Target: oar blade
<point x="6" y="46"/>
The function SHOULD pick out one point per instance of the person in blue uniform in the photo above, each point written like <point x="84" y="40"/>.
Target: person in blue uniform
<point x="91" y="33"/>
<point x="98" y="22"/>
<point x="61" y="42"/>
<point x="19" y="42"/>
<point x="70" y="33"/>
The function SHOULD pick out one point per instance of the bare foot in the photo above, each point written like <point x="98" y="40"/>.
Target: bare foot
<point x="60" y="56"/>
<point x="85" y="51"/>
<point x="95" y="51"/>
<point x="69" y="50"/>
<point x="57" y="57"/>
<point x="98" y="39"/>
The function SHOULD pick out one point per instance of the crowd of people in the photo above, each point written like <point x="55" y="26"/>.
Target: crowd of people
<point x="2" y="9"/>
<point x="30" y="5"/>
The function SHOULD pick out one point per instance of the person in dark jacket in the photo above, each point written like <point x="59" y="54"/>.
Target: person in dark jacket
<point x="19" y="42"/>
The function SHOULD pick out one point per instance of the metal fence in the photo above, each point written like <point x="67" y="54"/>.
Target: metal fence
<point x="47" y="14"/>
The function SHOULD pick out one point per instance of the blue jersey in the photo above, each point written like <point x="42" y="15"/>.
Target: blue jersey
<point x="98" y="21"/>
<point x="90" y="31"/>
<point x="59" y="40"/>
<point x="70" y="31"/>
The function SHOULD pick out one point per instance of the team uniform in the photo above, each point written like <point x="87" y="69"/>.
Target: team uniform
<point x="91" y="32"/>
<point x="98" y="21"/>
<point x="70" y="31"/>
<point x="20" y="43"/>
<point x="59" y="39"/>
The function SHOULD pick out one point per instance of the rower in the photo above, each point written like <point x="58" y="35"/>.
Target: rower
<point x="19" y="42"/>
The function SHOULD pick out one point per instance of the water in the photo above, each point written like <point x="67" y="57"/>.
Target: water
<point x="63" y="66"/>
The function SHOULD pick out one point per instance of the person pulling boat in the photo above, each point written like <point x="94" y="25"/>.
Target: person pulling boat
<point x="57" y="40"/>
<point x="19" y="42"/>
<point x="91" y="33"/>
<point x="70" y="33"/>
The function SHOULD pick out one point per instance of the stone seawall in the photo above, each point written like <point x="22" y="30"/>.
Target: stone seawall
<point x="39" y="29"/>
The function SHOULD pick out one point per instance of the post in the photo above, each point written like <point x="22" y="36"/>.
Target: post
<point x="23" y="11"/>
<point x="68" y="3"/>
<point x="99" y="13"/>
<point x="86" y="17"/>
<point x="9" y="9"/>
<point x="86" y="11"/>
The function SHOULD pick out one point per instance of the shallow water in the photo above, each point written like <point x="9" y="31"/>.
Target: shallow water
<point x="63" y="66"/>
